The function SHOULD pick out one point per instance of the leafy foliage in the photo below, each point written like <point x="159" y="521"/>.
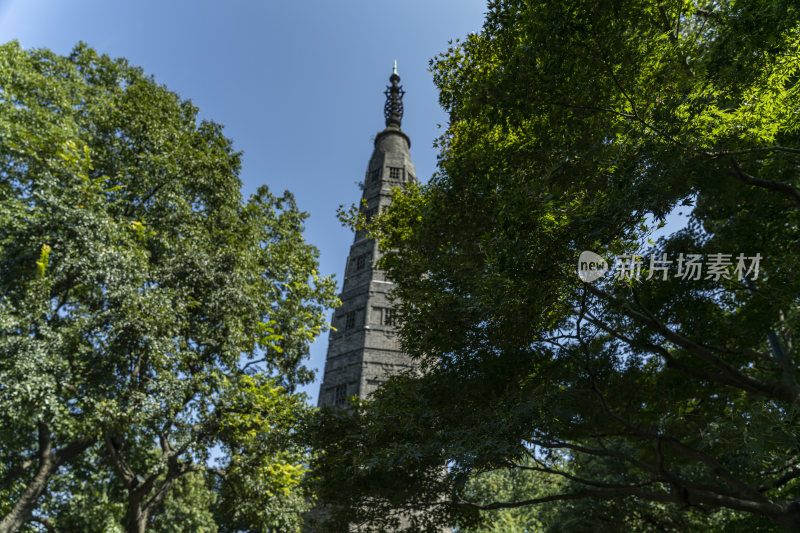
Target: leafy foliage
<point x="148" y="315"/>
<point x="584" y="515"/>
<point x="578" y="125"/>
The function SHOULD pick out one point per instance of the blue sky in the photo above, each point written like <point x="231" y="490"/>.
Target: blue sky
<point x="297" y="85"/>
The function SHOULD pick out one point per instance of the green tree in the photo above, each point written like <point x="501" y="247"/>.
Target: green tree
<point x="148" y="315"/>
<point x="578" y="125"/>
<point x="524" y="481"/>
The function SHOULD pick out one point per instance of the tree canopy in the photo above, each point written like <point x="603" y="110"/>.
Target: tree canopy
<point x="581" y="126"/>
<point x="152" y="322"/>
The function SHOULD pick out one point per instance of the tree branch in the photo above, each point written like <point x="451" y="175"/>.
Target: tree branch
<point x="123" y="470"/>
<point x="547" y="470"/>
<point x="658" y="438"/>
<point x="776" y="391"/>
<point x="581" y="494"/>
<point x="777" y="186"/>
<point x="755" y="150"/>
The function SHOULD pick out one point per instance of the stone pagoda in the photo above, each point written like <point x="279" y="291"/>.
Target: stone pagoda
<point x="364" y="351"/>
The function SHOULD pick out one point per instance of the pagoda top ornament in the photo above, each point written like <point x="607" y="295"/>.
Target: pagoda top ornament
<point x="393" y="109"/>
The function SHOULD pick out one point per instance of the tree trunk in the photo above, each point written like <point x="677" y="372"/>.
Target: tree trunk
<point x="49" y="462"/>
<point x="136" y="517"/>
<point x="137" y="514"/>
<point x="23" y="510"/>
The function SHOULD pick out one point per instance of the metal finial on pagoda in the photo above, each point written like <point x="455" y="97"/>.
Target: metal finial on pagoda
<point x="393" y="109"/>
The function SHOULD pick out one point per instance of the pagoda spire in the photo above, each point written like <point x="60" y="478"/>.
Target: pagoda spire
<point x="393" y="109"/>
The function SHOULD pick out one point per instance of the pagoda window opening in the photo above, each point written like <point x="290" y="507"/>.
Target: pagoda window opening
<point x="396" y="173"/>
<point x="340" y="394"/>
